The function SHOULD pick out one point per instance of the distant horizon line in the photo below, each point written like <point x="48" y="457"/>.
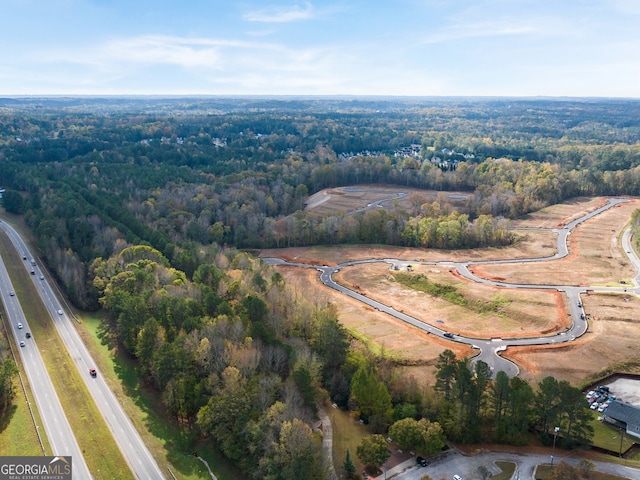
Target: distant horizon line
<point x="308" y="96"/>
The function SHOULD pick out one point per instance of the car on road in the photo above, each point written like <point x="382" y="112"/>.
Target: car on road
<point x="19" y="325"/>
<point x="422" y="461"/>
<point x="457" y="477"/>
<point x="92" y="372"/>
<point x="22" y="344"/>
<point x="11" y="293"/>
<point x="41" y="277"/>
<point x="448" y="335"/>
<point x="59" y="312"/>
<point x="28" y="335"/>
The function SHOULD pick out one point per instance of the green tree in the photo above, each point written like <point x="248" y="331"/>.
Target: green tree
<point x="372" y="396"/>
<point x="518" y="412"/>
<point x="330" y="340"/>
<point x="547" y="403"/>
<point x="13" y="201"/>
<point x="499" y="398"/>
<point x="446" y="371"/>
<point x="433" y="439"/>
<point x="226" y="412"/>
<point x="348" y="466"/>
<point x="373" y="451"/>
<point x="8" y="370"/>
<point x="407" y="433"/>
<point x="294" y="455"/>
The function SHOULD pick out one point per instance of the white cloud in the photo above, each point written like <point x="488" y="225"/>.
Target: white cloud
<point x="627" y="6"/>
<point x="281" y="14"/>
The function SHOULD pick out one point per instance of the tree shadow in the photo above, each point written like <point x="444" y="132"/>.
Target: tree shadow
<point x="181" y="443"/>
<point x="105" y="335"/>
<point x="7" y="415"/>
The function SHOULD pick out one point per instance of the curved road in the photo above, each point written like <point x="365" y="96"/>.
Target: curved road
<point x="134" y="450"/>
<point x="489" y="349"/>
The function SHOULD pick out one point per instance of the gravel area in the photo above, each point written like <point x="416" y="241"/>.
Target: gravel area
<point x="627" y="390"/>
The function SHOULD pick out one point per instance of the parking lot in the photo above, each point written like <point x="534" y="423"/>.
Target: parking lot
<point x="626" y="390"/>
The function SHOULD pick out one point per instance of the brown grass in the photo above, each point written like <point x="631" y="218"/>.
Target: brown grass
<point x="596" y="258"/>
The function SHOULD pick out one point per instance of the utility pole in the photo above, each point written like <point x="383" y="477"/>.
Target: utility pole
<point x="553" y="450"/>
<point x="621" y="438"/>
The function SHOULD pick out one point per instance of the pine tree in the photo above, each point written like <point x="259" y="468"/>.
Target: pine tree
<point x="348" y="466"/>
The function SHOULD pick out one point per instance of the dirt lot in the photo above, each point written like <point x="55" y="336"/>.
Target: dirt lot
<point x="596" y="258"/>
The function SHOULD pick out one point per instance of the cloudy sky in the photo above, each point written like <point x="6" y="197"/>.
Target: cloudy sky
<point x="321" y="47"/>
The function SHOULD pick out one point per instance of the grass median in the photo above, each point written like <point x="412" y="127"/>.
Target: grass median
<point x="18" y="434"/>
<point x="92" y="433"/>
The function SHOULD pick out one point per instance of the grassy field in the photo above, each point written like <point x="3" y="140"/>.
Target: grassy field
<point x="508" y="469"/>
<point x="347" y="434"/>
<point x="606" y="436"/>
<point x="543" y="472"/>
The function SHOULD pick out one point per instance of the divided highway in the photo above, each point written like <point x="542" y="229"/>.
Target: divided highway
<point x="142" y="463"/>
<point x="489" y="349"/>
<point x="57" y="428"/>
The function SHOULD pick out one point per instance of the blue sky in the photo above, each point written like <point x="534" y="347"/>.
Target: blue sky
<point x="321" y="47"/>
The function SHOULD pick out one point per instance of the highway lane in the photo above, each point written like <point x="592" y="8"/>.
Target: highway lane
<point x="56" y="427"/>
<point x="127" y="437"/>
<point x="489" y="349"/>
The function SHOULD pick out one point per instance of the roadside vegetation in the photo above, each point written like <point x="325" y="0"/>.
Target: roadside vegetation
<point x="80" y="409"/>
<point x="147" y="217"/>
<point x="564" y="471"/>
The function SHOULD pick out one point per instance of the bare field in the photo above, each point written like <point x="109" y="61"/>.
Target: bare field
<point x="525" y="313"/>
<point x="596" y="258"/>
<point x="346" y="199"/>
<point x="610" y="340"/>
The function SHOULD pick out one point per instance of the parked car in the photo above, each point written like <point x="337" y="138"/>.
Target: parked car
<point x="594" y="405"/>
<point x="422" y="461"/>
<point x="603" y="407"/>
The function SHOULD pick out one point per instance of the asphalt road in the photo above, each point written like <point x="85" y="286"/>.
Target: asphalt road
<point x="56" y="427"/>
<point x="489" y="349"/>
<point x="136" y="453"/>
<point x="469" y="467"/>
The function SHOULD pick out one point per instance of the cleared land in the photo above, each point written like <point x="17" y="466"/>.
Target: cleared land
<point x="596" y="258"/>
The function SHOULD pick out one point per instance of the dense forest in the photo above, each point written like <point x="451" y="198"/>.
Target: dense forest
<point x="147" y="208"/>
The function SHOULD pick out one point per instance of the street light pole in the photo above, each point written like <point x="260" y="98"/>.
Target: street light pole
<point x="621" y="438"/>
<point x="553" y="450"/>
